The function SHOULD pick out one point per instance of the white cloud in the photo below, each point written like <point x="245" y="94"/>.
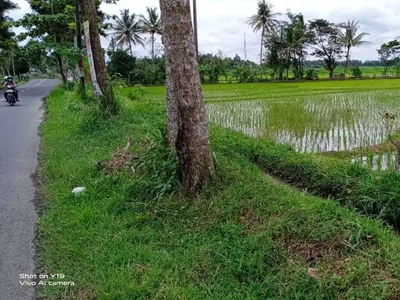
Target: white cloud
<point x="222" y="22"/>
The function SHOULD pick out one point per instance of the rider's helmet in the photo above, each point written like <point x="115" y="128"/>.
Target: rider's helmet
<point x="9" y="78"/>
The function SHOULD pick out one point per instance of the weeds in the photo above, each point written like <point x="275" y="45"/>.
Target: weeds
<point x="158" y="167"/>
<point x="136" y="93"/>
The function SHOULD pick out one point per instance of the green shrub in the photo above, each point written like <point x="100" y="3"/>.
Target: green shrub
<point x="158" y="167"/>
<point x="70" y="85"/>
<point x="312" y="74"/>
<point x="118" y="81"/>
<point x="136" y="93"/>
<point x="357" y="73"/>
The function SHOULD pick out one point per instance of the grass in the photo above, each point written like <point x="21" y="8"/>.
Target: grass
<point x="374" y="194"/>
<point x="133" y="235"/>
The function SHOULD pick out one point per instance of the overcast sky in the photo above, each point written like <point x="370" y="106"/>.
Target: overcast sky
<point x="222" y="23"/>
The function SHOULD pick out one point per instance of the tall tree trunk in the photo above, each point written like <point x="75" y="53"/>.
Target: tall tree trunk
<point x="152" y="46"/>
<point x="347" y="60"/>
<point x="301" y="66"/>
<point x="90" y="14"/>
<point x="385" y="70"/>
<point x="196" y="35"/>
<point x="262" y="44"/>
<point x="130" y="48"/>
<point x="61" y="69"/>
<point x="172" y="105"/>
<point x="172" y="112"/>
<point x="331" y="73"/>
<point x="193" y="148"/>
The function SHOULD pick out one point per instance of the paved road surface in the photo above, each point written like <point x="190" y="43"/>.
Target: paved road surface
<point x="19" y="145"/>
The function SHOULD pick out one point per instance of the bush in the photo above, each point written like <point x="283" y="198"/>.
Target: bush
<point x="357" y="73"/>
<point x="158" y="167"/>
<point x="117" y="80"/>
<point x="137" y="92"/>
<point x="312" y="74"/>
<point x="70" y="85"/>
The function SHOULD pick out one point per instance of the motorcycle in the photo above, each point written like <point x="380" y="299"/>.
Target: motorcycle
<point x="10" y="90"/>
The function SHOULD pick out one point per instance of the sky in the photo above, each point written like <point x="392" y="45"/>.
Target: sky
<point x="222" y="23"/>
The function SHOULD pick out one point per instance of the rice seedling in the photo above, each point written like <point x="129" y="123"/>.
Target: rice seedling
<point x="312" y="123"/>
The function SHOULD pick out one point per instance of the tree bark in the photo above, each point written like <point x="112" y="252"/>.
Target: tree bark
<point x="347" y="60"/>
<point x="172" y="106"/>
<point x="196" y="35"/>
<point x="130" y="48"/>
<point x="152" y="46"/>
<point x="90" y="14"/>
<point x="262" y="43"/>
<point x="331" y="73"/>
<point x="192" y="144"/>
<point x="61" y="69"/>
<point x="172" y="112"/>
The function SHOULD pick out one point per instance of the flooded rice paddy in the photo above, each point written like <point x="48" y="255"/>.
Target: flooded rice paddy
<point x="317" y="122"/>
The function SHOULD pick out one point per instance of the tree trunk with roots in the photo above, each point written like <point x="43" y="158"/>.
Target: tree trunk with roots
<point x="192" y="144"/>
<point x="90" y="14"/>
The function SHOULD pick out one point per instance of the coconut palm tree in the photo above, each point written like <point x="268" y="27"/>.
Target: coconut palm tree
<point x="350" y="38"/>
<point x="298" y="38"/>
<point x="151" y="24"/>
<point x="263" y="20"/>
<point x="126" y="30"/>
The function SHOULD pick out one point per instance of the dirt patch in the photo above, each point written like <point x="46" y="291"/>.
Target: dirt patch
<point x="329" y="254"/>
<point x="123" y="159"/>
<point x="313" y="252"/>
<point x="395" y="297"/>
<point x="250" y="220"/>
<point x="39" y="200"/>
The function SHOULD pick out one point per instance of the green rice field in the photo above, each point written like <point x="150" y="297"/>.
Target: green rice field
<point x="315" y="117"/>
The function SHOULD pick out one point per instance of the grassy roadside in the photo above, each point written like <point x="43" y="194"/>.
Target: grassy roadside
<point x="372" y="193"/>
<point x="245" y="237"/>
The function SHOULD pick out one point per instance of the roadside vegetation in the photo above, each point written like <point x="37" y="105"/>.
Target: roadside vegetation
<point x="134" y="235"/>
<point x="285" y="190"/>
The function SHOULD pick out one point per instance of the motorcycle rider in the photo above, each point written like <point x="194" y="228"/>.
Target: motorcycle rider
<point x="9" y="82"/>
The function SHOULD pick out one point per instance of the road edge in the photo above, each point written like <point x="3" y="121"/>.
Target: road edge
<point x="39" y="200"/>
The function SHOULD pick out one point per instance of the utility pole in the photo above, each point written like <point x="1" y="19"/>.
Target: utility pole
<point x="195" y="28"/>
<point x="81" y="72"/>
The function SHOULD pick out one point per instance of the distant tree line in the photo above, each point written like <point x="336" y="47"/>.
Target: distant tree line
<point x="214" y="68"/>
<point x="285" y="50"/>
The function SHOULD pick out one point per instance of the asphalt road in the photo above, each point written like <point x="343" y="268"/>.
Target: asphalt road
<point x="19" y="146"/>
